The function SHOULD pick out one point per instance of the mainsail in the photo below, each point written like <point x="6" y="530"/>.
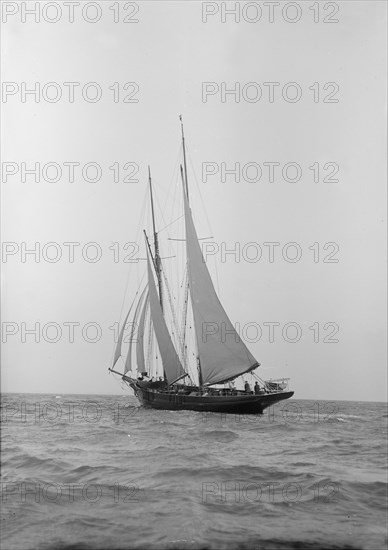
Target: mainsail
<point x="222" y="354"/>
<point x="171" y="363"/>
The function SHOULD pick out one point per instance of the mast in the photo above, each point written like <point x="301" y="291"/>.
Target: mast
<point x="200" y="380"/>
<point x="185" y="184"/>
<point x="158" y="267"/>
<point x="171" y="363"/>
<point x="222" y="355"/>
<point x="186" y="299"/>
<point x="154" y="264"/>
<point x="184" y="159"/>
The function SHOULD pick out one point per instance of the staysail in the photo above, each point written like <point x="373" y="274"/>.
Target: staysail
<point x="223" y="356"/>
<point x="128" y="362"/>
<point x="120" y="340"/>
<point x="171" y="363"/>
<point x="121" y="333"/>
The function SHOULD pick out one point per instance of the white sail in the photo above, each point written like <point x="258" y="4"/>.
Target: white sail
<point x="120" y="340"/>
<point x="171" y="363"/>
<point x="128" y="362"/>
<point x="223" y="356"/>
<point x="140" y="339"/>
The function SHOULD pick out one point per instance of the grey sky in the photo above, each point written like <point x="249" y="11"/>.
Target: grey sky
<point x="169" y="53"/>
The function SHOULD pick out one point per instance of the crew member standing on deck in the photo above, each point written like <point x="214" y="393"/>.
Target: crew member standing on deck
<point x="247" y="387"/>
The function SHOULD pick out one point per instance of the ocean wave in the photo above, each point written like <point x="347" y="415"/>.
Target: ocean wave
<point x="188" y="480"/>
<point x="223" y="436"/>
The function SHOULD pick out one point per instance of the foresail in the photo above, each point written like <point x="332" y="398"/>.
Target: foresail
<point x="128" y="362"/>
<point x="171" y="363"/>
<point x="223" y="355"/>
<point x="140" y="339"/>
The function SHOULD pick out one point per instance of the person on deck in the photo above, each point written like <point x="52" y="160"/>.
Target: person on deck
<point x="257" y="388"/>
<point x="247" y="387"/>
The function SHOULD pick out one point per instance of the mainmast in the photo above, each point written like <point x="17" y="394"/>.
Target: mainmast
<point x="186" y="190"/>
<point x="158" y="266"/>
<point x="186" y="183"/>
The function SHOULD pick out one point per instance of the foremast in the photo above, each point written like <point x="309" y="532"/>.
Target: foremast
<point x="173" y="369"/>
<point x="157" y="260"/>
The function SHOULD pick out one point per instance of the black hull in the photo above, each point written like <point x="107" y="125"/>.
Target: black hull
<point x="235" y="404"/>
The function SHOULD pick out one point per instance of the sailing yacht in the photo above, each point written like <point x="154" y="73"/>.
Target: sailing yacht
<point x="220" y="355"/>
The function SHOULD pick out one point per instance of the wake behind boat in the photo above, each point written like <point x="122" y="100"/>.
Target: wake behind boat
<point x="221" y="357"/>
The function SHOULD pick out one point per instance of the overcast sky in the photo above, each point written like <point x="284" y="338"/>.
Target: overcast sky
<point x="335" y="131"/>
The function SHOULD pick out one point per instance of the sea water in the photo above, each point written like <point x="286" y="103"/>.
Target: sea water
<point x="87" y="472"/>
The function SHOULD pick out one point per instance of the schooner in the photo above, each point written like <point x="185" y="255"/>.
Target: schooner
<point x="221" y="356"/>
